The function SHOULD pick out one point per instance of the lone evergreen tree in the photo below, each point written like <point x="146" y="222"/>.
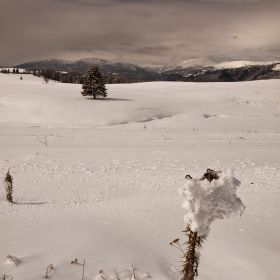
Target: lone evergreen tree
<point x="94" y="83"/>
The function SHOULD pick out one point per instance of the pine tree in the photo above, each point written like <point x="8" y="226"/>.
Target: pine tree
<point x="14" y="71"/>
<point x="94" y="83"/>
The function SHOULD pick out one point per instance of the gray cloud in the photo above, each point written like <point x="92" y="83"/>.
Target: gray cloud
<point x="231" y="1"/>
<point x="147" y="31"/>
<point x="235" y="37"/>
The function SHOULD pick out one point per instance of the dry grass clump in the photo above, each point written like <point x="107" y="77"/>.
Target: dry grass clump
<point x="49" y="269"/>
<point x="8" y="183"/>
<point x="104" y="276"/>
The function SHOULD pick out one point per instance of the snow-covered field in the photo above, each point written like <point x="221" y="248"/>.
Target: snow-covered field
<point x="104" y="186"/>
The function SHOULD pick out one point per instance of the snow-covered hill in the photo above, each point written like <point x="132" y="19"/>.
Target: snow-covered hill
<point x="98" y="179"/>
<point x="198" y="62"/>
<point x="184" y="71"/>
<point x="202" y="62"/>
<point x="238" y="64"/>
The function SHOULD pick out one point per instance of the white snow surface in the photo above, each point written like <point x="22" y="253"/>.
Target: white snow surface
<point x="222" y="65"/>
<point x="196" y="62"/>
<point x="206" y="201"/>
<point x="238" y="64"/>
<point x="276" y="67"/>
<point x="98" y="179"/>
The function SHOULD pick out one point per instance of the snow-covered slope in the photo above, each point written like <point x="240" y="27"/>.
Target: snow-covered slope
<point x="196" y="62"/>
<point x="203" y="62"/>
<point x="238" y="64"/>
<point x="98" y="179"/>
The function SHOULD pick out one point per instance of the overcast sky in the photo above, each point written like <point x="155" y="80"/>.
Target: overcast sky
<point x="140" y="31"/>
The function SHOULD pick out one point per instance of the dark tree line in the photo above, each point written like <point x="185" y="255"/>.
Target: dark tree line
<point x="73" y="77"/>
<point x="60" y="76"/>
<point x="14" y="71"/>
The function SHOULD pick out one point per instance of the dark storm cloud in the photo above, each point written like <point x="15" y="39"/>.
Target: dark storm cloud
<point x="154" y="50"/>
<point x="155" y="31"/>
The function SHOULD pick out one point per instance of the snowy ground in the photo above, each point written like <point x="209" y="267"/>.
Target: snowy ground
<point x="104" y="188"/>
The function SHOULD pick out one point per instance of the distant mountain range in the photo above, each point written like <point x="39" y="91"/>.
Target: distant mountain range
<point x="194" y="69"/>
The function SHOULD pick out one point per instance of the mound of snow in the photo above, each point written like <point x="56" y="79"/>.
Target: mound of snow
<point x="206" y="201"/>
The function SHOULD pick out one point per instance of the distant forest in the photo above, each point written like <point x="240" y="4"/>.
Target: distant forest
<point x="66" y="77"/>
<point x="73" y="77"/>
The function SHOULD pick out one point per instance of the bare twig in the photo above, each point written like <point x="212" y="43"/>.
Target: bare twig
<point x="12" y="258"/>
<point x="166" y="138"/>
<point x="14" y="261"/>
<point x="49" y="269"/>
<point x="84" y="269"/>
<point x="118" y="277"/>
<point x="176" y="241"/>
<point x="133" y="271"/>
<point x="46" y="142"/>
<point x="102" y="272"/>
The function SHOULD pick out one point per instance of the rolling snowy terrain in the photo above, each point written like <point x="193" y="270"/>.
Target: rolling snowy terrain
<point x="98" y="179"/>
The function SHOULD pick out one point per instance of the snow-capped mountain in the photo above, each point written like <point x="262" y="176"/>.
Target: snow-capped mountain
<point x="186" y="70"/>
<point x="197" y="62"/>
<point x="241" y="63"/>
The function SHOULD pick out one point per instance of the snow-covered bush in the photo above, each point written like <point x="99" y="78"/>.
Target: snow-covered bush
<point x="204" y="202"/>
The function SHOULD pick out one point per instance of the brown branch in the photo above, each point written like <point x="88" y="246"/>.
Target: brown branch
<point x="84" y="269"/>
<point x="49" y="269"/>
<point x="166" y="138"/>
<point x="46" y="142"/>
<point x="118" y="278"/>
<point x="133" y="268"/>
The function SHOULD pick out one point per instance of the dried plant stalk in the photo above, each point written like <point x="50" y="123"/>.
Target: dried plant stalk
<point x="83" y="269"/>
<point x="8" y="183"/>
<point x="49" y="269"/>
<point x="191" y="257"/>
<point x="210" y="175"/>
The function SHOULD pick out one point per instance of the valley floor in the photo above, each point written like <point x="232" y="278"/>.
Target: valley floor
<point x="104" y="185"/>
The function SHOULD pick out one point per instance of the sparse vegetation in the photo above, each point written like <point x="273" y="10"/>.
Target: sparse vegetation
<point x="49" y="269"/>
<point x="46" y="79"/>
<point x="104" y="276"/>
<point x="8" y="183"/>
<point x="11" y="258"/>
<point x="203" y="206"/>
<point x="45" y="142"/>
